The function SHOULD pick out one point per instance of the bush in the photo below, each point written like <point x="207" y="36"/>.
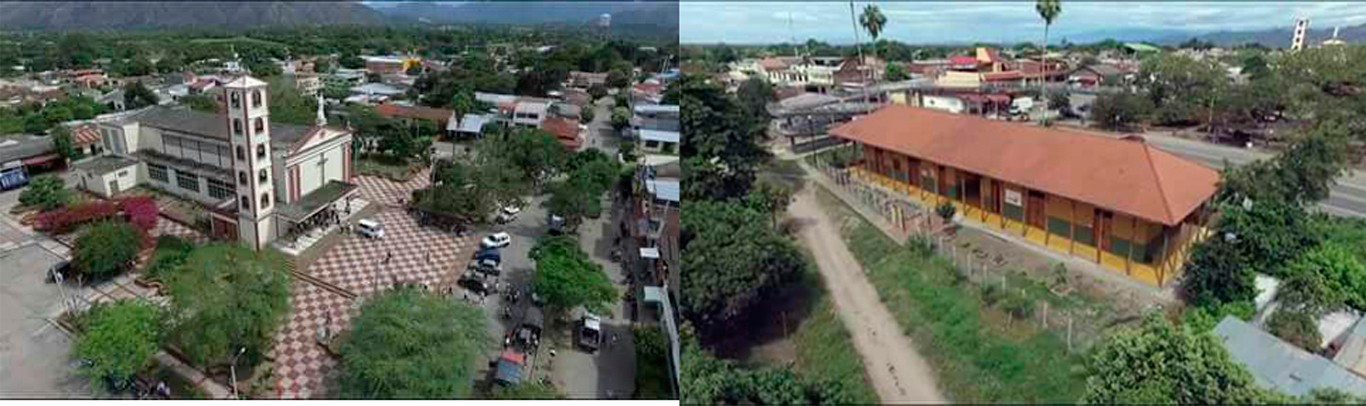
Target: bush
<point x="226" y="297"/>
<point x="170" y="253"/>
<point x="991" y="294"/>
<point x="47" y="192"/>
<point x="946" y="211"/>
<point x="409" y="344"/>
<point x="106" y="249"/>
<point x="527" y="391"/>
<point x="118" y="342"/>
<point x="1018" y="306"/>
<point x="141" y="211"/>
<point x="1295" y="327"/>
<point x="64" y="220"/>
<point x="587" y="115"/>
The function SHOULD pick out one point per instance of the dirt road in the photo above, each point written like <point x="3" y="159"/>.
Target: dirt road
<point x="897" y="371"/>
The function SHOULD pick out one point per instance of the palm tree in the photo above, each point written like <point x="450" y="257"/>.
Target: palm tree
<point x="872" y="21"/>
<point x="1048" y="11"/>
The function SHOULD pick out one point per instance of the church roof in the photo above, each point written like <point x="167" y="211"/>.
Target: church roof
<point x="209" y="125"/>
<point x="245" y="81"/>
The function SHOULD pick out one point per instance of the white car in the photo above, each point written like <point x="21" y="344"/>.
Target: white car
<point x="497" y="240"/>
<point x="508" y="214"/>
<point x="370" y="228"/>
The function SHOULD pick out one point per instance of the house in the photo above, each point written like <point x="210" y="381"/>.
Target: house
<point x="565" y="130"/>
<point x="390" y="64"/>
<point x="86" y="139"/>
<point x="346" y="78"/>
<point x="308" y="84"/>
<point x="472" y="124"/>
<point x="1098" y="75"/>
<point x="530" y="113"/>
<point x="584" y="80"/>
<point x="662" y="117"/>
<point x="1138" y="49"/>
<point x="854" y="71"/>
<point x="376" y="89"/>
<point x="410" y="114"/>
<point x="963" y="63"/>
<point x="657" y="141"/>
<point x="259" y="181"/>
<point x="1281" y="366"/>
<point x="1120" y="203"/>
<point x="647" y="92"/>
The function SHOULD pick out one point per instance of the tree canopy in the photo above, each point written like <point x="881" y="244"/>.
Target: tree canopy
<point x="1164" y="363"/>
<point x="226" y="297"/>
<point x="567" y="278"/>
<point x="47" y="192"/>
<point x="105" y="249"/>
<point x="119" y="340"/>
<point x="410" y="344"/>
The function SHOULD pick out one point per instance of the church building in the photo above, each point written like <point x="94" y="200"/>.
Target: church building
<point x="258" y="180"/>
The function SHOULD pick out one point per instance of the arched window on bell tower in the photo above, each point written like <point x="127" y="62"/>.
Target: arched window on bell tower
<point x="256" y="99"/>
<point x="259" y="126"/>
<point x="236" y="98"/>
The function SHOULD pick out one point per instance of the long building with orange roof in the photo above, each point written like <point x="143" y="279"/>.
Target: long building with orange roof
<point x="1121" y="203"/>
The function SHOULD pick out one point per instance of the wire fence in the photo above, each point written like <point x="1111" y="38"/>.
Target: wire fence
<point x="1048" y="305"/>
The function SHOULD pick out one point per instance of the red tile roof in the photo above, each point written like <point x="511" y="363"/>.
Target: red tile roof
<point x="565" y="130"/>
<point x="1007" y="75"/>
<point x="418" y="112"/>
<point x="1121" y="175"/>
<point x="85" y="134"/>
<point x="962" y="60"/>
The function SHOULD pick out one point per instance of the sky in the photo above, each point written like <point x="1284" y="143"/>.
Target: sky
<point x="1009" y="22"/>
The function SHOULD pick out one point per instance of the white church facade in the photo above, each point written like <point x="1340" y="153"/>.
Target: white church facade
<point x="258" y="180"/>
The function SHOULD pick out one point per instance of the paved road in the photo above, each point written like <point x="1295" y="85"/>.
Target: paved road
<point x="600" y="134"/>
<point x="34" y="356"/>
<point x="897" y="371"/>
<point x="1347" y="198"/>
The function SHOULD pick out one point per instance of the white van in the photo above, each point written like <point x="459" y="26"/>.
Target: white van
<point x="370" y="228"/>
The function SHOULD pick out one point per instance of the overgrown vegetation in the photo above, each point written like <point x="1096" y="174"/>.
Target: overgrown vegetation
<point x="410" y="344"/>
<point x="117" y="341"/>
<point x="228" y="298"/>
<point x="105" y="249"/>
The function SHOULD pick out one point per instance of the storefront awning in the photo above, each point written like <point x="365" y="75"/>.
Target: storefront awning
<point x="315" y="201"/>
<point x="649" y="253"/>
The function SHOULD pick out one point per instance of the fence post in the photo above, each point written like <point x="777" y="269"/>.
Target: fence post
<point x="1069" y="332"/>
<point x="1045" y="314"/>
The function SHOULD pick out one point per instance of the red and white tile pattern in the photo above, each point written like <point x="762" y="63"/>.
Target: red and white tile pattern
<point x="421" y="255"/>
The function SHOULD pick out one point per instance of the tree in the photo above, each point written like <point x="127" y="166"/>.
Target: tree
<point x="1048" y="10"/>
<point x="597" y="91"/>
<point x="119" y="340"/>
<point x="755" y="93"/>
<point x="351" y="61"/>
<point x="200" y="102"/>
<point x="322" y="65"/>
<point x="536" y="153"/>
<point x="136" y="95"/>
<point x="618" y="79"/>
<point x="1295" y="326"/>
<point x="105" y="249"/>
<point x="872" y="21"/>
<point x="1119" y="111"/>
<point x="587" y="114"/>
<point x="227" y="297"/>
<point x="707" y="380"/>
<point x="621" y="118"/>
<point x="573" y="199"/>
<point x="567" y="279"/>
<point x="1164" y="363"/>
<point x="771" y="198"/>
<point x="1336" y="277"/>
<point x="734" y="260"/>
<point x="1180" y="87"/>
<point x="64" y="144"/>
<point x="895" y="72"/>
<point x="410" y="344"/>
<point x="289" y="106"/>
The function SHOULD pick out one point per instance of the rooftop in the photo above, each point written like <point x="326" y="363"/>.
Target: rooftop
<point x="16" y="147"/>
<point x="104" y="164"/>
<point x="657" y="135"/>
<point x="1280" y="365"/>
<point x="419" y="112"/>
<point x="210" y="125"/>
<point x="664" y="188"/>
<point x="1121" y="175"/>
<point x="310" y="203"/>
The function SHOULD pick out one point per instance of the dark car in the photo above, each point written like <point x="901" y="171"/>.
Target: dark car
<point x="489" y="254"/>
<point x="61" y="268"/>
<point x="476" y="282"/>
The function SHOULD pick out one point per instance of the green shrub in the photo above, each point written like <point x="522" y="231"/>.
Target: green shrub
<point x="119" y="341"/>
<point x="47" y="192"/>
<point x="1295" y="327"/>
<point x="1018" y="306"/>
<point x="106" y="249"/>
<point x="991" y="294"/>
<point x="946" y="211"/>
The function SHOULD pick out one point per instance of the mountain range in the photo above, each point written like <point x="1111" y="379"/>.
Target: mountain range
<point x="102" y="15"/>
<point x="651" y="16"/>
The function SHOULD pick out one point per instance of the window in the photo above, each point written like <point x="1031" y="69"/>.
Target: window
<point x="246" y="203"/>
<point x="241" y="153"/>
<point x="1057" y="226"/>
<point x="651" y="144"/>
<point x="242" y="178"/>
<point x="123" y="173"/>
<point x="261" y="176"/>
<point x="265" y="200"/>
<point x="187" y="181"/>
<point x="259" y="127"/>
<point x="236" y="99"/>
<point x="1013" y="212"/>
<point x="219" y="189"/>
<point x="1084" y="234"/>
<point x="256" y="99"/>
<point x="1119" y="246"/>
<point x="158" y="173"/>
<point x="236" y="126"/>
<point x="260" y="152"/>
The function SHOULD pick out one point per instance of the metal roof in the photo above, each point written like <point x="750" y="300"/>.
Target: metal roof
<point x="1279" y="365"/>
<point x="474" y="123"/>
<point x="656" y="108"/>
<point x="314" y="201"/>
<point x="16" y="147"/>
<point x="104" y="164"/>
<point x="664" y="188"/>
<point x="376" y="88"/>
<point x="657" y="135"/>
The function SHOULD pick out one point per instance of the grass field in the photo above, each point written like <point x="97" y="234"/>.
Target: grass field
<point x="824" y="351"/>
<point x="979" y="355"/>
<point x="395" y="171"/>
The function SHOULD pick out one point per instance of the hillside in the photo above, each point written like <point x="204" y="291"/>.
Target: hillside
<point x="1274" y="37"/>
<point x="626" y="16"/>
<point x="81" y="15"/>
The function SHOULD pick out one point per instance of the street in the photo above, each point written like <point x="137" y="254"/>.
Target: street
<point x="35" y="357"/>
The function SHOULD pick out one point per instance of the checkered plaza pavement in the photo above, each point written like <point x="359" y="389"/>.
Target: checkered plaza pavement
<point x="388" y="192"/>
<point x="421" y="255"/>
<point x="301" y="364"/>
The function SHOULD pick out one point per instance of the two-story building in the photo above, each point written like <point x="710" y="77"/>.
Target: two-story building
<point x="259" y="180"/>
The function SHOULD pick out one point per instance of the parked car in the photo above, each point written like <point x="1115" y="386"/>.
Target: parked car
<point x="556" y="224"/>
<point x="590" y="332"/>
<point x="527" y="336"/>
<point x="486" y="266"/>
<point x="508" y="214"/>
<point x="475" y="282"/>
<point x="509" y="368"/>
<point x="488" y="253"/>
<point x="61" y="268"/>
<point x="497" y="240"/>
<point x="370" y="228"/>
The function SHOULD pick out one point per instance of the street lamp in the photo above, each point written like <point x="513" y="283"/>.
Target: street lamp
<point x="232" y="370"/>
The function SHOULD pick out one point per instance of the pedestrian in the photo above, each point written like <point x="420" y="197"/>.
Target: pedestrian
<point x="388" y="255"/>
<point x="429" y="257"/>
